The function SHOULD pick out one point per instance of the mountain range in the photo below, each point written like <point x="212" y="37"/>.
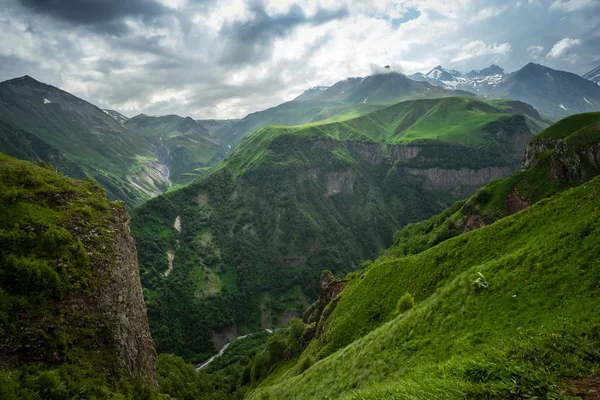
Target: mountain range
<point x="130" y="158"/>
<point x="555" y="94"/>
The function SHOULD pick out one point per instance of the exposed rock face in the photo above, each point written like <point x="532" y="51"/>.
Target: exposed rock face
<point x="514" y="203"/>
<point x="369" y="152"/>
<point x="330" y="288"/>
<point x="455" y="179"/>
<point x="340" y="182"/>
<point x="106" y="314"/>
<point x="153" y="180"/>
<point x="471" y="223"/>
<point x="567" y="164"/>
<point x="120" y="301"/>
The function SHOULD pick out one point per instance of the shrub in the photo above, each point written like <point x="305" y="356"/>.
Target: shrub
<point x="405" y="303"/>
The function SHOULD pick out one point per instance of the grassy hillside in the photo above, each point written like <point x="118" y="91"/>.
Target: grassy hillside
<point x="346" y="99"/>
<point x="561" y="156"/>
<point x="506" y="311"/>
<point x="243" y="247"/>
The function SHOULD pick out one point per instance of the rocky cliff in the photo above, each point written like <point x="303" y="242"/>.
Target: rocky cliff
<point x="69" y="282"/>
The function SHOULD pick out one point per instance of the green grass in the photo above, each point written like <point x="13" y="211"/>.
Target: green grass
<point x="532" y="326"/>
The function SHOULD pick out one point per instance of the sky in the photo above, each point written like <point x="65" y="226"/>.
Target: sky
<point x="225" y="59"/>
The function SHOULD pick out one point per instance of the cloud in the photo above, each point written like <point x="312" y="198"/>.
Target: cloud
<point x="562" y="49"/>
<point x="224" y="59"/>
<point x="106" y="15"/>
<point x="478" y="48"/>
<point x="251" y="40"/>
<point x="535" y="51"/>
<point x="571" y="5"/>
<point x="489" y="12"/>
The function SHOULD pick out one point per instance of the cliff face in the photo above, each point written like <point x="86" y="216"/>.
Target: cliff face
<point x="120" y="302"/>
<point x="69" y="282"/>
<point x="570" y="164"/>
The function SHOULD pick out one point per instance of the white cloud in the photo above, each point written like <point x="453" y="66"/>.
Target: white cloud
<point x="562" y="49"/>
<point x="571" y="5"/>
<point x="170" y="63"/>
<point x="535" y="51"/>
<point x="489" y="12"/>
<point x="479" y="48"/>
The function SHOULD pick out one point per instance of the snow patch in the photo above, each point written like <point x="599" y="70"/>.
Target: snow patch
<point x="46" y="101"/>
<point x="587" y="101"/>
<point x="365" y="102"/>
<point x="563" y="107"/>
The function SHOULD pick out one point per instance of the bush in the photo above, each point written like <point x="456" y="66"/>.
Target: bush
<point x="296" y="329"/>
<point x="405" y="303"/>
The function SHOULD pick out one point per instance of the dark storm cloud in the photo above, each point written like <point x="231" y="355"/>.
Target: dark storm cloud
<point x="251" y="41"/>
<point x="104" y="16"/>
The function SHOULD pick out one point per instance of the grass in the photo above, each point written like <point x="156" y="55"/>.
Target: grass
<point x="521" y="336"/>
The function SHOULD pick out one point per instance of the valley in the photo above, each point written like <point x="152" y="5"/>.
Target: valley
<point x="262" y="200"/>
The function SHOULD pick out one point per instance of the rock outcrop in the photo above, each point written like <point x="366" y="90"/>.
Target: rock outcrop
<point x="119" y="300"/>
<point x="69" y="278"/>
<point x="456" y="179"/>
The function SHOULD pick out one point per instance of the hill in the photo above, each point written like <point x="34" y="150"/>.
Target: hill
<point x="503" y="311"/>
<point x="73" y="321"/>
<point x="351" y="97"/>
<point x="242" y="248"/>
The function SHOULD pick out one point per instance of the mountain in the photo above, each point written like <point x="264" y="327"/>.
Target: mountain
<point x="555" y="94"/>
<point x="133" y="159"/>
<point x="345" y="99"/>
<point x="214" y="125"/>
<point x="73" y="322"/>
<point x="503" y="311"/>
<point x="42" y="122"/>
<point x="181" y="143"/>
<point x="242" y="248"/>
<point x="117" y="116"/>
<point x="476" y="81"/>
<point x="593" y="75"/>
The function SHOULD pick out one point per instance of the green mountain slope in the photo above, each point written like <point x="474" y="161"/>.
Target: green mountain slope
<point x="243" y="246"/>
<point x="182" y="143"/>
<point x="565" y="154"/>
<point x="73" y="322"/>
<point x="133" y="159"/>
<point x="78" y="138"/>
<point x="349" y="98"/>
<point x="504" y="311"/>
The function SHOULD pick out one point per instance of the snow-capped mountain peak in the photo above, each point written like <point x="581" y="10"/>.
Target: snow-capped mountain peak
<point x="475" y="80"/>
